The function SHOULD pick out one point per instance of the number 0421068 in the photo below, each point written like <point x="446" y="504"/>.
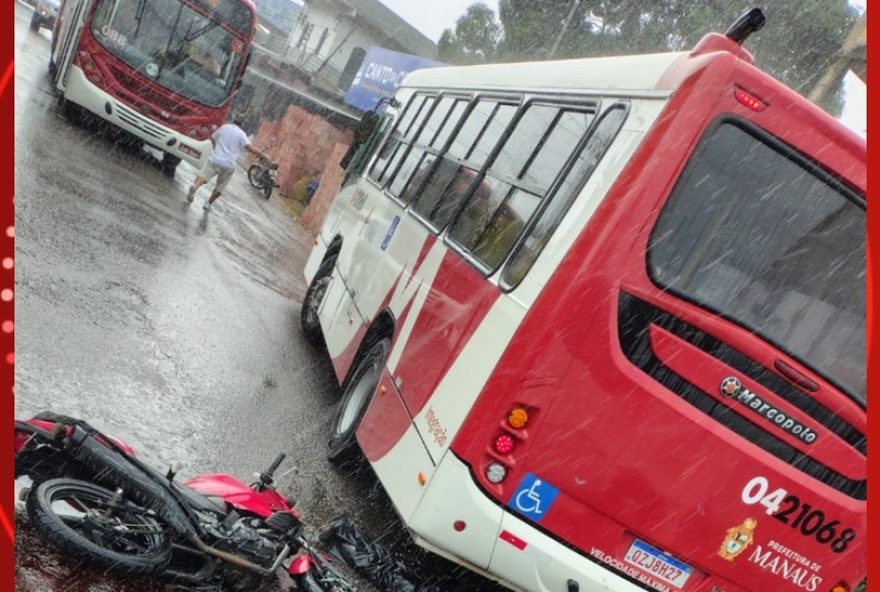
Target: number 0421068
<point x="804" y="518"/>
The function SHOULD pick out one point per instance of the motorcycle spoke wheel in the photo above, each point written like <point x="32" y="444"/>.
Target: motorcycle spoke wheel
<point x="254" y="175"/>
<point x="93" y="524"/>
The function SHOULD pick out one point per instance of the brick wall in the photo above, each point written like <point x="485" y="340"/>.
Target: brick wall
<point x="328" y="187"/>
<point x="301" y="143"/>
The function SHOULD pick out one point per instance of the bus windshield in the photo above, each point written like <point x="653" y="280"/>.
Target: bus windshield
<point x="171" y="43"/>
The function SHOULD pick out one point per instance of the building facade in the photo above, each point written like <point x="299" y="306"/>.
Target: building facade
<point x="331" y="38"/>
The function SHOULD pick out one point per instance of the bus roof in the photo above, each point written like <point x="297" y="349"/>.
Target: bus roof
<point x="633" y="73"/>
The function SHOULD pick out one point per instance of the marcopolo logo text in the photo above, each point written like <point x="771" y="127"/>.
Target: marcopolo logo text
<point x="732" y="388"/>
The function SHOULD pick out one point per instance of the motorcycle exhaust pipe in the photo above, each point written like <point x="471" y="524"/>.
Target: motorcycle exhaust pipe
<point x="237" y="559"/>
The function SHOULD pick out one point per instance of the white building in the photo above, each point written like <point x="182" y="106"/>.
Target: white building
<point x="332" y="36"/>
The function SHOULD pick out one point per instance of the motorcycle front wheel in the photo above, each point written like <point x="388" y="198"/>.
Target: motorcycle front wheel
<point x="254" y="176"/>
<point x="95" y="526"/>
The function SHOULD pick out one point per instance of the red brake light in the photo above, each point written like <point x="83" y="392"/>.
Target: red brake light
<point x="503" y="444"/>
<point x="749" y="100"/>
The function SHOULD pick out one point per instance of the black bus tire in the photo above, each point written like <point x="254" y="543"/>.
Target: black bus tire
<point x="356" y="396"/>
<point x="317" y="290"/>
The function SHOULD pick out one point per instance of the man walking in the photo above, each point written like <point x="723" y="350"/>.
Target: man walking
<point x="228" y="141"/>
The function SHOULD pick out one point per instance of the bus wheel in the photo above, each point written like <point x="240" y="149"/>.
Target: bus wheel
<point x="169" y="164"/>
<point x="308" y="315"/>
<point x="356" y="398"/>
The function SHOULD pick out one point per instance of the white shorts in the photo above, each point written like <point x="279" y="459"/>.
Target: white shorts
<point x="223" y="175"/>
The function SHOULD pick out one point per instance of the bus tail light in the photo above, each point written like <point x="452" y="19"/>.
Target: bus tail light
<point x="518" y="418"/>
<point x="503" y="444"/>
<point x="841" y="587"/>
<point x="496" y="472"/>
<point x="748" y="99"/>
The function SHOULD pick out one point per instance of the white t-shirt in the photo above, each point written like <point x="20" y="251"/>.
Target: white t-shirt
<point x="229" y="141"/>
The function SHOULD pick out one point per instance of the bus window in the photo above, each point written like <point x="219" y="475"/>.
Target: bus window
<point x="756" y="234"/>
<point x="496" y="213"/>
<point x="438" y="116"/>
<point x="535" y="124"/>
<point x="451" y="121"/>
<point x="449" y="114"/>
<point x="389" y="152"/>
<point x="556" y="148"/>
<point x="568" y="189"/>
<point x="401" y="178"/>
<point x="491" y="133"/>
<point x="448" y="183"/>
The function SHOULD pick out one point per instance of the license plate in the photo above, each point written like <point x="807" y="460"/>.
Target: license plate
<point x="660" y="565"/>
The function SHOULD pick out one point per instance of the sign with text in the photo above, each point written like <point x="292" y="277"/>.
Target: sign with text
<point x="380" y="74"/>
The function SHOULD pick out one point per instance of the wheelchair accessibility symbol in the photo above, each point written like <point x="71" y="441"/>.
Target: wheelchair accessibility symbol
<point x="533" y="498"/>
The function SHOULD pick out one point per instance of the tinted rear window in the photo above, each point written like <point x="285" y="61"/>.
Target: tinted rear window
<point x="762" y="238"/>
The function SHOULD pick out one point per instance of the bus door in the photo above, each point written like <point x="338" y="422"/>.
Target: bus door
<point x="710" y="425"/>
<point x="65" y="37"/>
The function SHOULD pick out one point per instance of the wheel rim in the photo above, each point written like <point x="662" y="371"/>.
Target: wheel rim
<point x="314" y="301"/>
<point x="354" y="404"/>
<point x="94" y="514"/>
<point x="254" y="177"/>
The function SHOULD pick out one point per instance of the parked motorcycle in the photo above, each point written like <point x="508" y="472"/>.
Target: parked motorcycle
<point x="96" y="501"/>
<point x="262" y="175"/>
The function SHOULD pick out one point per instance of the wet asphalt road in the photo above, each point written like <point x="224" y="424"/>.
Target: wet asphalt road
<point x="173" y="329"/>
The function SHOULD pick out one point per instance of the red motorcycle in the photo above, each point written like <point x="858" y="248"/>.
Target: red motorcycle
<point x="96" y="501"/>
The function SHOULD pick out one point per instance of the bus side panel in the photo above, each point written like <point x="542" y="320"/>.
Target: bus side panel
<point x="452" y="498"/>
<point x="395" y="449"/>
<point x="436" y="332"/>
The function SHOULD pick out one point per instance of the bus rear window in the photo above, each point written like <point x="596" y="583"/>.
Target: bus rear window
<point x="759" y="236"/>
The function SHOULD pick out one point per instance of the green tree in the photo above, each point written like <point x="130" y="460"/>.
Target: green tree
<point x="475" y="38"/>
<point x="796" y="45"/>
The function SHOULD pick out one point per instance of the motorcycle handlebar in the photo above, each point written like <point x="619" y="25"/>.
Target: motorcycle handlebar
<point x="275" y="464"/>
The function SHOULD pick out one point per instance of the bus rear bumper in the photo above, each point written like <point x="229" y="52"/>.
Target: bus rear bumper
<point x="536" y="563"/>
<point x="81" y="91"/>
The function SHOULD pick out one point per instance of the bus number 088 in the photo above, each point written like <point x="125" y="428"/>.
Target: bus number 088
<point x="809" y="521"/>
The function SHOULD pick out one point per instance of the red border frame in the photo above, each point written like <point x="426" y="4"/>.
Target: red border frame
<point x="873" y="53"/>
<point x="7" y="285"/>
<point x="7" y="109"/>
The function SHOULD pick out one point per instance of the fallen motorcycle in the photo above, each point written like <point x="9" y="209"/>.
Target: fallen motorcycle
<point x="96" y="501"/>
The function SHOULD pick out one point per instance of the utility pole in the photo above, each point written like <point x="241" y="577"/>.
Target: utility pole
<point x="565" y="23"/>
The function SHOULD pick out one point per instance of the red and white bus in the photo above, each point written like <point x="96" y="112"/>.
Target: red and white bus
<point x="600" y="324"/>
<point x="165" y="71"/>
